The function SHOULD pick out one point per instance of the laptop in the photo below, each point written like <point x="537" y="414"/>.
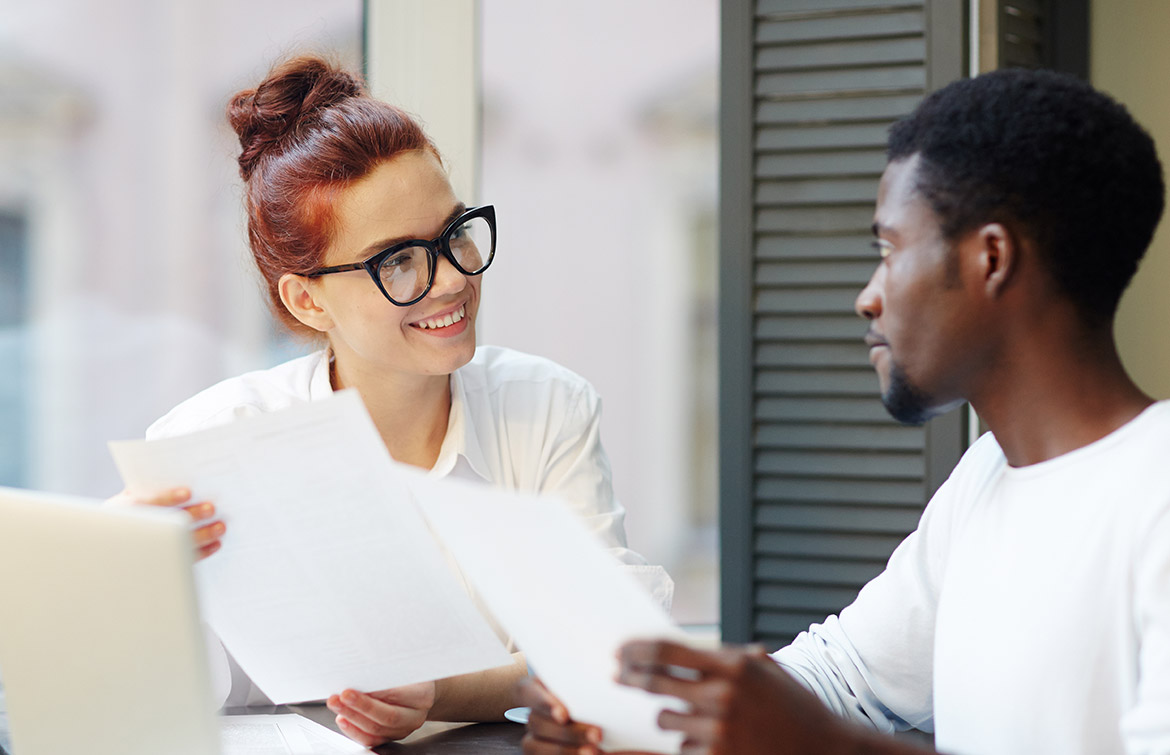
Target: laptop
<point x="101" y="648"/>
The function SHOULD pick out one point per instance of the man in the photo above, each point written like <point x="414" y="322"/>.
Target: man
<point x="1030" y="611"/>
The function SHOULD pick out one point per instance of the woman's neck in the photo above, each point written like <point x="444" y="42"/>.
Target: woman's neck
<point x="410" y="411"/>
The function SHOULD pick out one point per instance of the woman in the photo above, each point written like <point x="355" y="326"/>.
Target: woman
<point x="365" y="248"/>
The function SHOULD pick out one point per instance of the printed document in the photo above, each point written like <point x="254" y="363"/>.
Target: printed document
<point x="553" y="586"/>
<point x="328" y="578"/>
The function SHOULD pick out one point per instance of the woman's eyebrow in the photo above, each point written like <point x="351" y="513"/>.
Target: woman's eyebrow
<point x="378" y="246"/>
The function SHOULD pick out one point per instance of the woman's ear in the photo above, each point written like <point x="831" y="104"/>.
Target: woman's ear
<point x="299" y="297"/>
<point x="996" y="258"/>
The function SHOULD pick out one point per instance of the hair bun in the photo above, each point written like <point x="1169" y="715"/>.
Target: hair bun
<point x="294" y="90"/>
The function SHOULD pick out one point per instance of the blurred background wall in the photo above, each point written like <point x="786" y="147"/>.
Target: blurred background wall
<point x="1128" y="57"/>
<point x="125" y="280"/>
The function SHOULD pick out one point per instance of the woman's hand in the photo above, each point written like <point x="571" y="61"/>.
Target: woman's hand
<point x="377" y="717"/>
<point x="207" y="536"/>
<point x="550" y="730"/>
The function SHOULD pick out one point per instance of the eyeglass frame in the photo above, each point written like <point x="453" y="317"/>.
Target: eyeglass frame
<point x="441" y="244"/>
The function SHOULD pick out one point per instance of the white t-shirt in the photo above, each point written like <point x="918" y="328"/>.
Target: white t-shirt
<point x="517" y="422"/>
<point x="1029" y="613"/>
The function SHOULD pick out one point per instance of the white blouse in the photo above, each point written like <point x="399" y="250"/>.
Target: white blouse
<point x="517" y="422"/>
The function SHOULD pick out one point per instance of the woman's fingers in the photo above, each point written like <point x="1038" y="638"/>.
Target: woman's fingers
<point x="534" y="695"/>
<point x="379" y="720"/>
<point x="571" y="733"/>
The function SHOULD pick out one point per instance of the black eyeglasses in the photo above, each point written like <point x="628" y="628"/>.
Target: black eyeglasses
<point x="404" y="272"/>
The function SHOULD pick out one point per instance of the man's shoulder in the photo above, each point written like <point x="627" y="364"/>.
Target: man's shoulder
<point x="249" y="394"/>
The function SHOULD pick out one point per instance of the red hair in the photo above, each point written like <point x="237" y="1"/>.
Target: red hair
<point x="307" y="132"/>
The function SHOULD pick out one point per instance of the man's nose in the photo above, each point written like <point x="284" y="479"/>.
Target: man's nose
<point x="868" y="304"/>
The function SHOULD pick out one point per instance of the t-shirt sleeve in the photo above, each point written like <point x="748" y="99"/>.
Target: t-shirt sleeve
<point x="1145" y="725"/>
<point x="874" y="663"/>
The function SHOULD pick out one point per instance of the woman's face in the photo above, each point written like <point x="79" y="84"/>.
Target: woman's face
<point x="406" y="197"/>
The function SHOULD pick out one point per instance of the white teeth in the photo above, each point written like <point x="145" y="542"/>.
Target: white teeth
<point x="443" y="322"/>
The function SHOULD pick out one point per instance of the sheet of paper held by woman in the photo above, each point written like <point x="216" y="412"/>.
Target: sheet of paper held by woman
<point x="282" y="599"/>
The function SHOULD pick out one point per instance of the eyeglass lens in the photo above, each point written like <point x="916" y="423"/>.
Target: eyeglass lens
<point x="406" y="272"/>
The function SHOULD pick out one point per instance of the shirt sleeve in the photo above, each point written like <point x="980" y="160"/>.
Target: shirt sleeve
<point x="1145" y="726"/>
<point x="577" y="470"/>
<point x="874" y="663"/>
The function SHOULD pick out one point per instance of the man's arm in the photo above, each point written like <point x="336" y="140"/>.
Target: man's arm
<point x="742" y="702"/>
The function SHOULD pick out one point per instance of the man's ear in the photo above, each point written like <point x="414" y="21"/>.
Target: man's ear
<point x="996" y="258"/>
<point x="298" y="294"/>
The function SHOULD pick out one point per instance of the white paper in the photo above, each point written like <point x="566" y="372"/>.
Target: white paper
<point x="326" y="741"/>
<point x="282" y="734"/>
<point x="263" y="735"/>
<point x="553" y="586"/>
<point x="328" y="577"/>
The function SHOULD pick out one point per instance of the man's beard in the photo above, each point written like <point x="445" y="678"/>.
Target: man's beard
<point x="905" y="401"/>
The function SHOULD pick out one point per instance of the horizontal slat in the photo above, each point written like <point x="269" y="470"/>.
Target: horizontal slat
<point x="861" y="162"/>
<point x="843" y="246"/>
<point x="817" y="383"/>
<point x="766" y="8"/>
<point x="817" y="570"/>
<point x="843" y="26"/>
<point x="885" y="79"/>
<point x="796" y="354"/>
<point x="839" y="136"/>
<point x="866" y="108"/>
<point x="1026" y="28"/>
<point x="1024" y="7"/>
<point x="820" y="328"/>
<point x="809" y="435"/>
<point x="795" y="301"/>
<point x="804" y="597"/>
<point x="773" y="490"/>
<point x="818" y="191"/>
<point x="866" y="52"/>
<point x="777" y="628"/>
<point x="833" y="272"/>
<point x="890" y="520"/>
<point x="837" y="409"/>
<point x="836" y="545"/>
<point x="844" y="219"/>
<point x="871" y="466"/>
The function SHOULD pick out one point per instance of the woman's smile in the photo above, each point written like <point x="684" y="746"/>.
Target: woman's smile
<point x="447" y="324"/>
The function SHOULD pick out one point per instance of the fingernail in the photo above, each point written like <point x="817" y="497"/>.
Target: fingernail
<point x="348" y="697"/>
<point x="594" y="736"/>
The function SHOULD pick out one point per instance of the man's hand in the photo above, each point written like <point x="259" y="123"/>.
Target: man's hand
<point x="742" y="702"/>
<point x="207" y="536"/>
<point x="377" y="717"/>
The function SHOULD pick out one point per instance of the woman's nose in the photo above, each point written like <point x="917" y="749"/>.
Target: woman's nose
<point x="448" y="280"/>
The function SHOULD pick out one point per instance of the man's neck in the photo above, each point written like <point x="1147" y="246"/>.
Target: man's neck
<point x="1057" y="395"/>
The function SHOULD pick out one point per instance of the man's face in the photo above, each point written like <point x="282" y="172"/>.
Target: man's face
<point x="919" y="321"/>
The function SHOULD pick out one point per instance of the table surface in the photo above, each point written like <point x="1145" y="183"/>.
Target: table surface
<point x="433" y="738"/>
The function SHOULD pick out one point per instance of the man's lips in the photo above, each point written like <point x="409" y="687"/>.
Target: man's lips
<point x="872" y="340"/>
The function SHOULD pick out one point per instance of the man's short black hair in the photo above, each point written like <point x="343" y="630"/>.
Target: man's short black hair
<point x="1051" y="158"/>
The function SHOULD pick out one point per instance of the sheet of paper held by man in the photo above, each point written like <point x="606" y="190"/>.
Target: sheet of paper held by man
<point x="553" y="587"/>
<point x="328" y="577"/>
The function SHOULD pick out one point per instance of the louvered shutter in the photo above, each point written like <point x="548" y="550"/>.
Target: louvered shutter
<point x="818" y="484"/>
<point x="1043" y="34"/>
